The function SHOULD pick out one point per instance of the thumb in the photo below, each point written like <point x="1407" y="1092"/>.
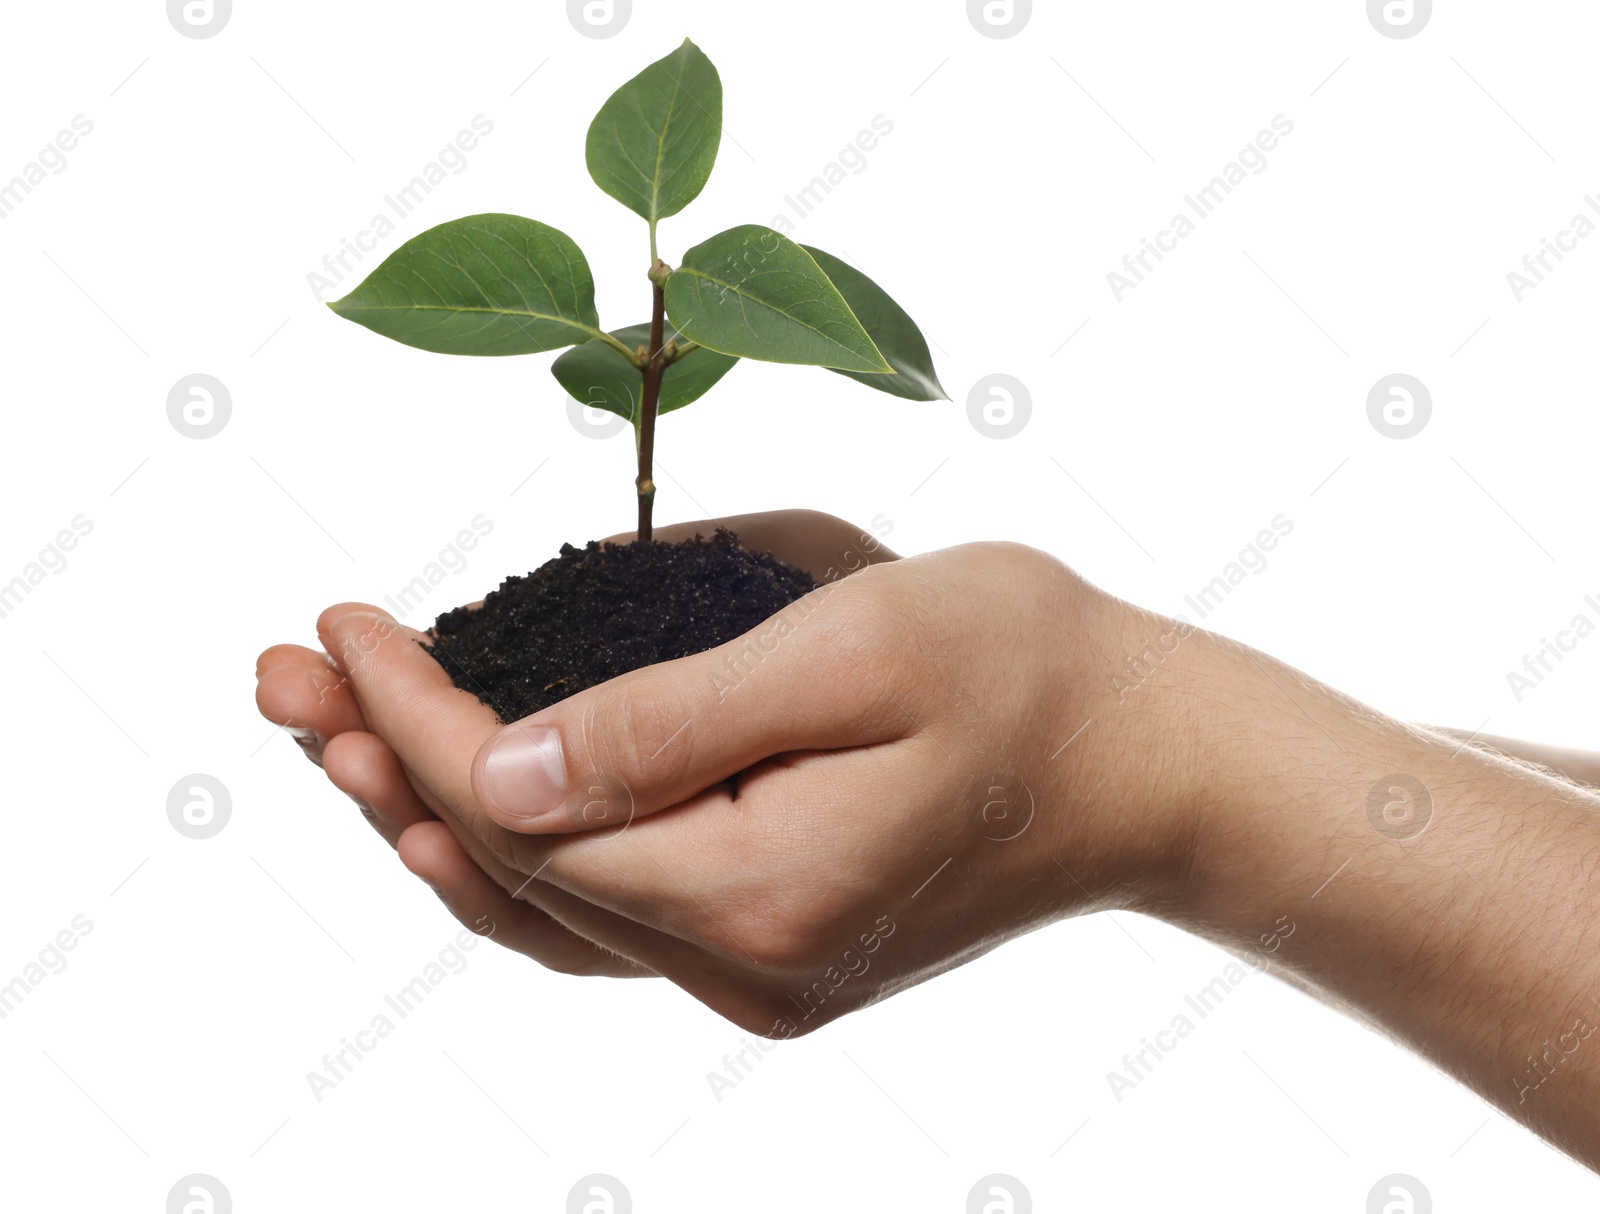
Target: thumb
<point x="811" y="677"/>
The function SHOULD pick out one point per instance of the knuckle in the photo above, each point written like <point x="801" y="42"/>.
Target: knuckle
<point x="642" y="734"/>
<point x="867" y="635"/>
<point x="856" y="623"/>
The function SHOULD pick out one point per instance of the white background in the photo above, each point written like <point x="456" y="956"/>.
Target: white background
<point x="1229" y="388"/>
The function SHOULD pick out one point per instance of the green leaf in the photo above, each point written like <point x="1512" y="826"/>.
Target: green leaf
<point x="755" y="294"/>
<point x="596" y="374"/>
<point x="894" y="333"/>
<point x="486" y="284"/>
<point x="652" y="145"/>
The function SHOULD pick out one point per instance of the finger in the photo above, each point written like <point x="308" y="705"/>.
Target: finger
<point x="802" y="680"/>
<point x="344" y="647"/>
<point x="363" y="767"/>
<point x="435" y="729"/>
<point x="430" y="851"/>
<point x="597" y="941"/>
<point x="827" y="547"/>
<point x="409" y="701"/>
<point x="757" y="1002"/>
<point x="649" y="890"/>
<point x="274" y="656"/>
<point x="366" y="768"/>
<point x="310" y="699"/>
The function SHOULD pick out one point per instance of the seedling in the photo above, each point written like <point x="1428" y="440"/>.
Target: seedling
<point x="501" y="284"/>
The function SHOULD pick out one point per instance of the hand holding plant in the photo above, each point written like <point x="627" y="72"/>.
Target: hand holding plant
<point x="738" y="820"/>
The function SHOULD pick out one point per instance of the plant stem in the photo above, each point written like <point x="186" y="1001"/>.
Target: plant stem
<point x="655" y="367"/>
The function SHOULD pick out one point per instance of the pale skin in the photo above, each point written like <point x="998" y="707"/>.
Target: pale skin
<point x="837" y="806"/>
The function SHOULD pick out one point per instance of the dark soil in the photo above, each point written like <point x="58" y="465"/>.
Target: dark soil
<point x="594" y="613"/>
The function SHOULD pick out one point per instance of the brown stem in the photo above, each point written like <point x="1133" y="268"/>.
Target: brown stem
<point x="649" y="399"/>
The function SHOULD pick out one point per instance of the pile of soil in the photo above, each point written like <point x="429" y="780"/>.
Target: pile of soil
<point x="596" y="612"/>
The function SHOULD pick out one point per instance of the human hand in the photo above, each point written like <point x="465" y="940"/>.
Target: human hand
<point x="835" y="807"/>
<point x="305" y="692"/>
<point x="909" y="763"/>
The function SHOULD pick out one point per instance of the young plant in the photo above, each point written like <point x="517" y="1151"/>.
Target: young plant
<point x="502" y="284"/>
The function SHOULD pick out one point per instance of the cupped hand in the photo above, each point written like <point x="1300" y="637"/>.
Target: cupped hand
<point x="309" y="695"/>
<point x="908" y="766"/>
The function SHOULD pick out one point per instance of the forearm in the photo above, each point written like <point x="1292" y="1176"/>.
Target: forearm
<point x="1466" y="930"/>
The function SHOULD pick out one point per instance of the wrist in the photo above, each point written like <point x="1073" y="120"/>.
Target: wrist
<point x="1124" y="765"/>
<point x="1297" y="786"/>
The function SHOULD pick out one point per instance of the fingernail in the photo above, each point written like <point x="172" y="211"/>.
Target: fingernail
<point x="522" y="774"/>
<point x="308" y="740"/>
